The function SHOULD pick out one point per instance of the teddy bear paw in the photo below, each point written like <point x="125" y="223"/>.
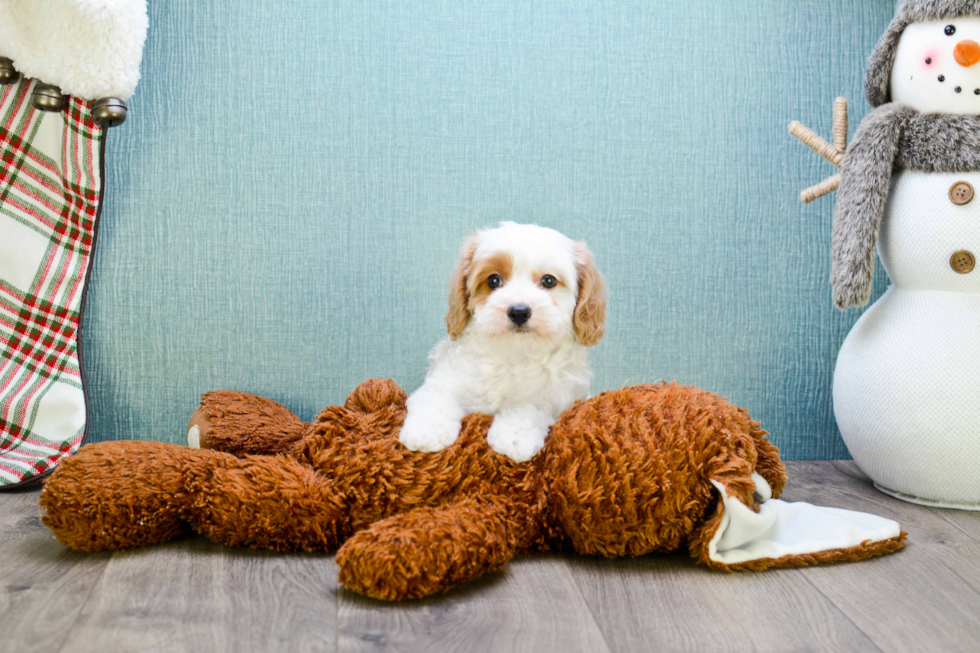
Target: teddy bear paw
<point x="198" y="430"/>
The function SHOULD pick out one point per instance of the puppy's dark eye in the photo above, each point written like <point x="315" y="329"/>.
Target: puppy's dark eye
<point x="950" y="30"/>
<point x="549" y="281"/>
<point x="494" y="281"/>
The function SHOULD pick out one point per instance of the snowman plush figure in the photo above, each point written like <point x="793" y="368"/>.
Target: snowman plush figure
<point x="907" y="381"/>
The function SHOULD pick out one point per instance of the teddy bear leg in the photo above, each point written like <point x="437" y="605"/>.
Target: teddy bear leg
<point x="241" y="424"/>
<point x="121" y="495"/>
<point x="429" y="550"/>
<point x="270" y="502"/>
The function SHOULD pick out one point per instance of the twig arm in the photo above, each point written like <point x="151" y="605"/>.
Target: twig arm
<point x="809" y="138"/>
<point x="840" y="125"/>
<point x="833" y="153"/>
<point x="825" y="187"/>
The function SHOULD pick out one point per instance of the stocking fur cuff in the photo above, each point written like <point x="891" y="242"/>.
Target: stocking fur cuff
<point x="891" y="136"/>
<point x="88" y="48"/>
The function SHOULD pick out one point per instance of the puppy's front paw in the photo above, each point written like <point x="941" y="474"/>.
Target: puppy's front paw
<point x="426" y="432"/>
<point x="518" y="439"/>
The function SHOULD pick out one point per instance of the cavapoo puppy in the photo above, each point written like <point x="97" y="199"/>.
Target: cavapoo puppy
<point x="524" y="304"/>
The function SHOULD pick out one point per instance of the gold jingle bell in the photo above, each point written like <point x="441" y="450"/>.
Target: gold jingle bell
<point x="109" y="112"/>
<point x="47" y="97"/>
<point x="8" y="74"/>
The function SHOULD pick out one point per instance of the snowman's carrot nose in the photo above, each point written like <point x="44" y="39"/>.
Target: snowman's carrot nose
<point x="967" y="53"/>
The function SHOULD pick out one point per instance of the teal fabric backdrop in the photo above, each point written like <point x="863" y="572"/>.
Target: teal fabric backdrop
<point x="287" y="199"/>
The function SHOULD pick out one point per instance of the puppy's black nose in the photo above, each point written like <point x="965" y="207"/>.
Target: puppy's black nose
<point x="519" y="314"/>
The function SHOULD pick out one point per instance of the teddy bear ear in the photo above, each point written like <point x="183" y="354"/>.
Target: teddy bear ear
<point x="374" y="395"/>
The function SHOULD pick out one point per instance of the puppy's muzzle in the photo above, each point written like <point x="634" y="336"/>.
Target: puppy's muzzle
<point x="519" y="314"/>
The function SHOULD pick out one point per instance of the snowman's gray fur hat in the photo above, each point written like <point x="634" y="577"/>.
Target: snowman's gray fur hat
<point x="876" y="84"/>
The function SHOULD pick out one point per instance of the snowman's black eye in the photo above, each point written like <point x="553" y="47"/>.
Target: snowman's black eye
<point x="950" y="30"/>
<point x="958" y="89"/>
<point x="976" y="91"/>
<point x="494" y="281"/>
<point x="929" y="60"/>
<point x="942" y="78"/>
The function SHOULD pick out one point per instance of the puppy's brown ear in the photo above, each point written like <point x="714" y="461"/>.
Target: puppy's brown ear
<point x="459" y="296"/>
<point x="590" y="311"/>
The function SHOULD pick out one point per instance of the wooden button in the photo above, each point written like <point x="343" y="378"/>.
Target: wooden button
<point x="962" y="262"/>
<point x="961" y="193"/>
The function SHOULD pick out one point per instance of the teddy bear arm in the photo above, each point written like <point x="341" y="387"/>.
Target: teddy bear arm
<point x="430" y="550"/>
<point x="243" y="424"/>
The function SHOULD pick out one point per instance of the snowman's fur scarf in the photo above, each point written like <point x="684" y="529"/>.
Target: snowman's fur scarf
<point x="876" y="84"/>
<point x="891" y="136"/>
<point x="88" y="48"/>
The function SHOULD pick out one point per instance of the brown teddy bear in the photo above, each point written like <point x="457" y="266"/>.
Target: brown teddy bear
<point x="644" y="469"/>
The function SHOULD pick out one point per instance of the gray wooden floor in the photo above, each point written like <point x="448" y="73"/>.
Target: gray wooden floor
<point x="192" y="595"/>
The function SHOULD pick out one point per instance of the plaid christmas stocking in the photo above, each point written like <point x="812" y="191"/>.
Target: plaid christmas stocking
<point x="51" y="181"/>
<point x="87" y="53"/>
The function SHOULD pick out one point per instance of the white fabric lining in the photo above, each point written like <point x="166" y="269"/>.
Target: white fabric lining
<point x="781" y="529"/>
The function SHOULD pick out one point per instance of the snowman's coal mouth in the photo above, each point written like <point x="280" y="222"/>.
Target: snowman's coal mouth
<point x="956" y="89"/>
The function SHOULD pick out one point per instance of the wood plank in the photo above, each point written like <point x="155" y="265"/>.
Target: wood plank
<point x="667" y="603"/>
<point x="43" y="585"/>
<point x="967" y="521"/>
<point x="930" y="526"/>
<point x="925" y="597"/>
<point x="17" y="504"/>
<point x="195" y="595"/>
<point x="533" y="605"/>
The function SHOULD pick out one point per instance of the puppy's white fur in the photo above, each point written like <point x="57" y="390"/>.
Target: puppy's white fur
<point x="525" y="376"/>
